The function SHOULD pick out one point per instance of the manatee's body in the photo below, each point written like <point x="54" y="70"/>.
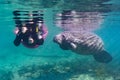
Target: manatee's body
<point x="83" y="42"/>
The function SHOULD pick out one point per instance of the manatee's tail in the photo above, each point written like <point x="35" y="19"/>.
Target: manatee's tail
<point x="103" y="57"/>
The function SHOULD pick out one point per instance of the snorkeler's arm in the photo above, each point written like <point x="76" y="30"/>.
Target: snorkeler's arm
<point x="45" y="32"/>
<point x="17" y="41"/>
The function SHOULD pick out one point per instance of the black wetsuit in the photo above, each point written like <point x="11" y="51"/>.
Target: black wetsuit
<point x="19" y="36"/>
<point x="33" y="34"/>
<point x="24" y="37"/>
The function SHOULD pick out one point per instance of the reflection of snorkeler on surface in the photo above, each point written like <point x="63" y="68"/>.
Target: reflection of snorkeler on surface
<point x="31" y="33"/>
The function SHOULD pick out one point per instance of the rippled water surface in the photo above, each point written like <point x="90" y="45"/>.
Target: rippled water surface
<point x="50" y="62"/>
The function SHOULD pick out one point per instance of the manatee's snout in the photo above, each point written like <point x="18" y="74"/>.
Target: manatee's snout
<point x="58" y="38"/>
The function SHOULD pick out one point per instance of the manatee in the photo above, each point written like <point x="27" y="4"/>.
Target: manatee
<point x="83" y="42"/>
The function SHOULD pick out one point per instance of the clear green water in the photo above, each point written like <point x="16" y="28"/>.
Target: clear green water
<point x="49" y="62"/>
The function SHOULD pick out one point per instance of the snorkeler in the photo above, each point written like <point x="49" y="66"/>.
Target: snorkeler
<point x="31" y="32"/>
<point x="20" y="31"/>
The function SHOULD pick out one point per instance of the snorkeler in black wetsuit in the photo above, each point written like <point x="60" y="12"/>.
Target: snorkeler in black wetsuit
<point x="33" y="34"/>
<point x="28" y="32"/>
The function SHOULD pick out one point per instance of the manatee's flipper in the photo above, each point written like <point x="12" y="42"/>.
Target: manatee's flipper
<point x="63" y="47"/>
<point x="67" y="46"/>
<point x="103" y="57"/>
<point x="17" y="41"/>
<point x="73" y="46"/>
